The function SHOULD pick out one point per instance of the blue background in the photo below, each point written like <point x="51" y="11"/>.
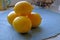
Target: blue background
<point x="50" y="26"/>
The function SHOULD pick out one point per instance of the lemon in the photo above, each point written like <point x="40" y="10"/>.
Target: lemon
<point x="11" y="17"/>
<point x="22" y="24"/>
<point x="23" y="8"/>
<point x="35" y="19"/>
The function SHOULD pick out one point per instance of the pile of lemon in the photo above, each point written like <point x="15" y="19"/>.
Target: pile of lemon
<point x="22" y="18"/>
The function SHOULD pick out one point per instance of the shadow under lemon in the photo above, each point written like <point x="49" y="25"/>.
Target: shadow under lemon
<point x="29" y="35"/>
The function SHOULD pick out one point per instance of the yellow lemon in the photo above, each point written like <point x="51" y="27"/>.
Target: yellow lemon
<point x="22" y="24"/>
<point x="35" y="19"/>
<point x="23" y="7"/>
<point x="11" y="16"/>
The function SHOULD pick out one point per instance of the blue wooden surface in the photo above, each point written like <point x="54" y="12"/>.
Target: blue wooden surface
<point x="50" y="26"/>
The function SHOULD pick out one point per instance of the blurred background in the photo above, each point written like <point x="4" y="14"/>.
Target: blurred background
<point x="55" y="6"/>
